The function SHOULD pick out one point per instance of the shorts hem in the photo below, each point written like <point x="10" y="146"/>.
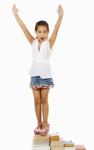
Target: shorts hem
<point x="41" y="86"/>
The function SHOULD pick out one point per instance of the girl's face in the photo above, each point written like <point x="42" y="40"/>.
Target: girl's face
<point x="42" y="33"/>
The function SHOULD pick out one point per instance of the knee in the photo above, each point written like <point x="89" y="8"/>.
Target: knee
<point x="37" y="101"/>
<point x="44" y="101"/>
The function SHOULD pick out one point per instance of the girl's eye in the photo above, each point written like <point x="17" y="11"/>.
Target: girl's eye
<point x="39" y="31"/>
<point x="44" y="31"/>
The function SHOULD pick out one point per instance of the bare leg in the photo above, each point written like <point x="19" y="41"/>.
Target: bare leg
<point x="45" y="106"/>
<point x="37" y="100"/>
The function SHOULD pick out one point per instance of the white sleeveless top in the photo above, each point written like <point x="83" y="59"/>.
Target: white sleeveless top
<point x="40" y="65"/>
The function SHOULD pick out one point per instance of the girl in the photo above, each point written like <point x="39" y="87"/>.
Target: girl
<point x="40" y="72"/>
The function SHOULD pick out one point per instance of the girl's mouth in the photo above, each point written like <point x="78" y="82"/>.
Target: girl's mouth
<point x="42" y="38"/>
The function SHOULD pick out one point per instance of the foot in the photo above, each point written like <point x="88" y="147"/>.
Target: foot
<point x="38" y="128"/>
<point x="45" y="129"/>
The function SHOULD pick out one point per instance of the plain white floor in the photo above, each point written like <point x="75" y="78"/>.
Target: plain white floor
<point x="71" y="100"/>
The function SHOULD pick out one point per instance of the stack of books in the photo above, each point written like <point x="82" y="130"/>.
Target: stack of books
<point x="54" y="142"/>
<point x="40" y="142"/>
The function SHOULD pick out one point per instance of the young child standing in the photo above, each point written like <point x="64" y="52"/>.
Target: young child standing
<point x="40" y="71"/>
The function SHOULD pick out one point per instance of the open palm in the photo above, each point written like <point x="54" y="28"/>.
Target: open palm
<point x="60" y="11"/>
<point x="14" y="10"/>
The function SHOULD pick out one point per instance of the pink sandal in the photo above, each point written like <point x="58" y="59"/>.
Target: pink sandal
<point x="45" y="130"/>
<point x="38" y="128"/>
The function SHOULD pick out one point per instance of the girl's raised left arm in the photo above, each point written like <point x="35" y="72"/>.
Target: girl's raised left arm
<point x="57" y="25"/>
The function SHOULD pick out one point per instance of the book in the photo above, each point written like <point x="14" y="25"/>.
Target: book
<point x="57" y="148"/>
<point x="57" y="144"/>
<point x="40" y="148"/>
<point x="68" y="143"/>
<point x="40" y="138"/>
<point x="69" y="148"/>
<point x="80" y="147"/>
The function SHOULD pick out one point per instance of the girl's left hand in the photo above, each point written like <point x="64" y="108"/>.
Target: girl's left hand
<point x="60" y="11"/>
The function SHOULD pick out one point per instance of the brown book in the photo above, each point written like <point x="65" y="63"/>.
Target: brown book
<point x="38" y="137"/>
<point x="69" y="145"/>
<point x="54" y="138"/>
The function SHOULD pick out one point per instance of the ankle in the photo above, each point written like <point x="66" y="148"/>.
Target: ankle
<point x="39" y="124"/>
<point x="44" y="124"/>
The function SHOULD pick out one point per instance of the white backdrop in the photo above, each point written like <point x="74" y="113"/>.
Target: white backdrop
<point x="71" y="100"/>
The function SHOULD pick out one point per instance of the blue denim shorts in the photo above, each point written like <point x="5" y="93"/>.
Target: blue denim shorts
<point x="37" y="82"/>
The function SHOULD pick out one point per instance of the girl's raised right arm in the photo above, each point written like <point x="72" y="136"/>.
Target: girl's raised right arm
<point x="22" y="25"/>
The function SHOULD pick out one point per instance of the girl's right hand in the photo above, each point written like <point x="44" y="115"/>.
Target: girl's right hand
<point x="14" y="10"/>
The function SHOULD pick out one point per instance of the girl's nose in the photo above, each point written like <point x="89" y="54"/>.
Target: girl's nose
<point x="42" y="33"/>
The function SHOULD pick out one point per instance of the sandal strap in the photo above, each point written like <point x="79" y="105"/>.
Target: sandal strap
<point x="46" y="129"/>
<point x="45" y="124"/>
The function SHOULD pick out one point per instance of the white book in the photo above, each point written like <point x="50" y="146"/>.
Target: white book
<point x="69" y="148"/>
<point x="68" y="142"/>
<point x="40" y="148"/>
<point x="40" y="145"/>
<point x="54" y="133"/>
